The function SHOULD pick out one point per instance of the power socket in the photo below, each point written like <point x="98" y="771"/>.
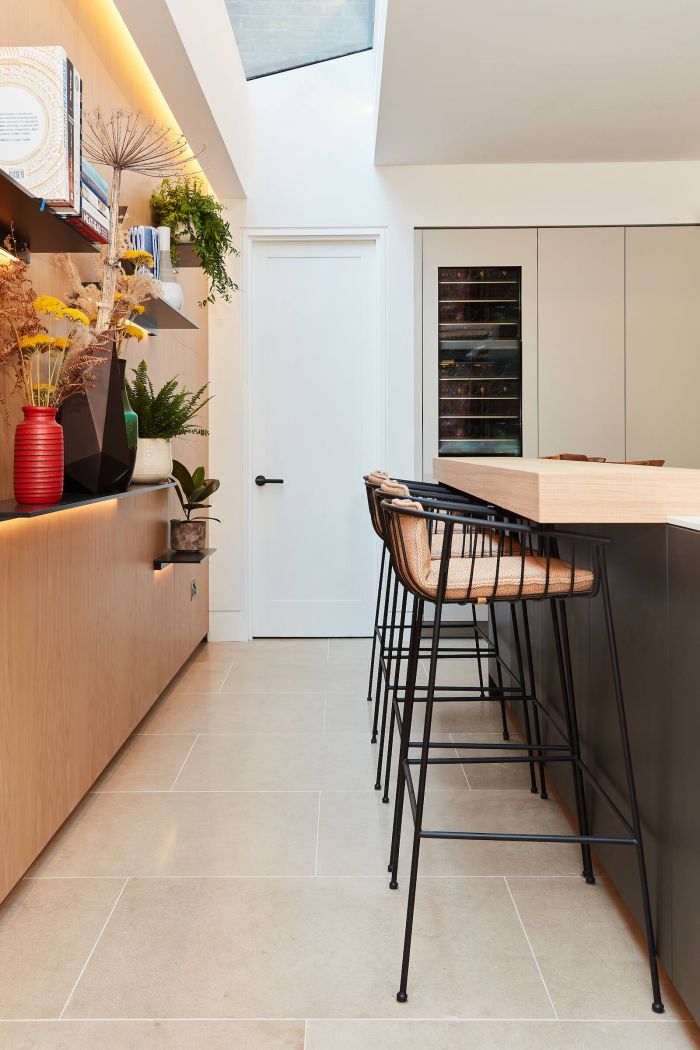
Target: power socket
<point x="193" y="590"/>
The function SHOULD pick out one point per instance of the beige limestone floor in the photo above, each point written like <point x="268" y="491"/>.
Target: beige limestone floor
<point x="224" y="887"/>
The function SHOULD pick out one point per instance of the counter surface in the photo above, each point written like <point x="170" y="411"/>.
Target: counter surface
<point x="556" y="491"/>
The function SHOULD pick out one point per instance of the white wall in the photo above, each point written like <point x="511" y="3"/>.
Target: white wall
<point x="310" y="167"/>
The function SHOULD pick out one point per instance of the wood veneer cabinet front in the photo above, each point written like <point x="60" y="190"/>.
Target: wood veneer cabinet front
<point x="91" y="635"/>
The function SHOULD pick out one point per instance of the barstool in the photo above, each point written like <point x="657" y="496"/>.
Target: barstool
<point x="536" y="573"/>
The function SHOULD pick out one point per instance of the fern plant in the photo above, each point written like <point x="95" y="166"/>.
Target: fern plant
<point x="168" y="413"/>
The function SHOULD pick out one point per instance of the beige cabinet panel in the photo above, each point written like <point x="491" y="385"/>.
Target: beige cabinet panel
<point x="581" y="351"/>
<point x="663" y="344"/>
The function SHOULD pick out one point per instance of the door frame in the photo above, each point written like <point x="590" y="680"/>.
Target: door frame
<point x="249" y="238"/>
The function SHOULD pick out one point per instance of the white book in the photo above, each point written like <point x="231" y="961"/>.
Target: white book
<point x="34" y="120"/>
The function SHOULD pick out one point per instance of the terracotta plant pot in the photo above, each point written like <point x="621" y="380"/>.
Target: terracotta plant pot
<point x="188" y="535"/>
<point x="38" y="457"/>
<point x="154" y="461"/>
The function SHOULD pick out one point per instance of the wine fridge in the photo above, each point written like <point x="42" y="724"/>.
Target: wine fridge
<point x="479" y="363"/>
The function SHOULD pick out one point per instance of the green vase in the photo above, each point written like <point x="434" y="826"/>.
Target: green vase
<point x="131" y="421"/>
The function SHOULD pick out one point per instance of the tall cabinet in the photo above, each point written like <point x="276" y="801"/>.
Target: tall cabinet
<point x="560" y="339"/>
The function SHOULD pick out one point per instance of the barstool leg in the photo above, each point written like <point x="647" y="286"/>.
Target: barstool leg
<point x="402" y="995"/>
<point x="376" y="625"/>
<point x="657" y="1004"/>
<point x="387" y="684"/>
<point x="382" y="654"/>
<point x="564" y="664"/>
<point x="397" y="675"/>
<point x="521" y="681"/>
<point x="411" y="675"/>
<point x="499" y="671"/>
<point x="533" y="694"/>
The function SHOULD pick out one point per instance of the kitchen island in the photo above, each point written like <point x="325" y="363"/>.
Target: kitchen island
<point x="652" y="518"/>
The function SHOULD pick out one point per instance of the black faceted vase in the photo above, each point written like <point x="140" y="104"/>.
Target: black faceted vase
<point x="97" y="457"/>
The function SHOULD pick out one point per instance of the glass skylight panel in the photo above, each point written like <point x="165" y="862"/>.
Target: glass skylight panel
<point x="277" y="35"/>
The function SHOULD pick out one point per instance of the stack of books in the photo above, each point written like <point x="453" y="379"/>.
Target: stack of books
<point x="41" y="124"/>
<point x="92" y="217"/>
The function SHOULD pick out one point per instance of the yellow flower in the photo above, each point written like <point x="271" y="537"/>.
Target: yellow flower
<point x="31" y="342"/>
<point x="61" y="344"/>
<point x="42" y="386"/>
<point x="138" y="258"/>
<point x="76" y="315"/>
<point x="137" y="309"/>
<point x="133" y="331"/>
<point x="49" y="304"/>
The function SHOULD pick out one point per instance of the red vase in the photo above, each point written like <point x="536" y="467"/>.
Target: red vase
<point x="38" y="457"/>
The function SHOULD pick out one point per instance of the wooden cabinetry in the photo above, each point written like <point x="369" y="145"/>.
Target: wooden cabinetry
<point x="581" y="339"/>
<point x="91" y="636"/>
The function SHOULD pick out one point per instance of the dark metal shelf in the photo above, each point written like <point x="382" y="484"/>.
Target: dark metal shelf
<point x="186" y="256"/>
<point x="183" y="557"/>
<point x="158" y="313"/>
<point x="11" y="511"/>
<point x="42" y="231"/>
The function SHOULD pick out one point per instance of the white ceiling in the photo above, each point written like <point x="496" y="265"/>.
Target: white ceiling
<point x="507" y="81"/>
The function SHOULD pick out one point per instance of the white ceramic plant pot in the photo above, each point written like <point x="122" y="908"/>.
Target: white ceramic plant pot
<point x="154" y="461"/>
<point x="171" y="292"/>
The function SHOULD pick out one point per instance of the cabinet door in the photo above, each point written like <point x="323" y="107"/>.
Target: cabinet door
<point x="487" y="250"/>
<point x="663" y="344"/>
<point x="581" y="356"/>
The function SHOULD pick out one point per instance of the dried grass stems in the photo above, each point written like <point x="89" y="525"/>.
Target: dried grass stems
<point x="128" y="142"/>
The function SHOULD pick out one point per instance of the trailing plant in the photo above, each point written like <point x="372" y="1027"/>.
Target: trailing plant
<point x="189" y="211"/>
<point x="192" y="490"/>
<point x="168" y="413"/>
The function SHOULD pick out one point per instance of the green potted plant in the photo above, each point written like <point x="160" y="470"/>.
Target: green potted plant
<point x="190" y="213"/>
<point x="162" y="416"/>
<point x="192" y="490"/>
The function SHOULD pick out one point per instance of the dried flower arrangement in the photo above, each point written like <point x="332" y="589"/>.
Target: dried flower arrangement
<point x="49" y="345"/>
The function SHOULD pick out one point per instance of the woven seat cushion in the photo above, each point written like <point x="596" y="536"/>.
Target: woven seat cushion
<point x="516" y="575"/>
<point x="376" y="477"/>
<point x="482" y="543"/>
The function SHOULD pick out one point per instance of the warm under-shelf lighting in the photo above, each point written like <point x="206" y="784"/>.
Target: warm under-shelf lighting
<point x="7" y="257"/>
<point x="146" y="331"/>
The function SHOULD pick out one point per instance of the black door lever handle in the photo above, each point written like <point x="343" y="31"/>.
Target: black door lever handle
<point x="262" y="480"/>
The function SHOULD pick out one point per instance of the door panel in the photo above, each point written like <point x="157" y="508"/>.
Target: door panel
<point x="464" y="249"/>
<point x="581" y="354"/>
<point x="663" y="353"/>
<point x="317" y="413"/>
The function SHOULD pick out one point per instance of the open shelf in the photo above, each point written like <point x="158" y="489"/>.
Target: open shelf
<point x="42" y="231"/>
<point x="186" y="257"/>
<point x="11" y="511"/>
<point x="158" y="313"/>
<point x="183" y="557"/>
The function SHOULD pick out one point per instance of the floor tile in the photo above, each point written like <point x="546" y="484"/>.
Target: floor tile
<point x="146" y="763"/>
<point x="309" y="948"/>
<point x="591" y="962"/>
<point x="287" y="762"/>
<point x="48" y="930"/>
<point x="152" y="1035"/>
<point x="501" y="1035"/>
<point x="509" y="776"/>
<point x="355" y="835"/>
<point x="359" y="649"/>
<point x="187" y="834"/>
<point x="281" y="673"/>
<point x="202" y="678"/>
<point x="236" y="713"/>
<point x="348" y="713"/>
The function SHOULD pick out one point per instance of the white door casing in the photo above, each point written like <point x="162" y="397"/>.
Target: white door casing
<point x="317" y="421"/>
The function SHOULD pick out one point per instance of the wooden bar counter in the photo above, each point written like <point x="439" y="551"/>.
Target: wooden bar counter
<point x="654" y="570"/>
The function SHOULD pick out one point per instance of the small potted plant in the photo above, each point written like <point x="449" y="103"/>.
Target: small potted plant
<point x="191" y="214"/>
<point x="193" y="490"/>
<point x="162" y="416"/>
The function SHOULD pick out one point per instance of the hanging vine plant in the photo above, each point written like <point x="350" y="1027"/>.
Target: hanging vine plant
<point x="191" y="213"/>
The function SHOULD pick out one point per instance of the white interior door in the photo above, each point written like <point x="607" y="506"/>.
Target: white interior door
<point x="317" y="424"/>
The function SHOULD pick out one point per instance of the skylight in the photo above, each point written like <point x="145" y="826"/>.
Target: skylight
<point x="278" y="35"/>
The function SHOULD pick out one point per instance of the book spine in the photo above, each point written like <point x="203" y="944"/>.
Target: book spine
<point x="90" y="229"/>
<point x="95" y="215"/>
<point x="77" y="135"/>
<point x="95" y="181"/>
<point x="70" y="116"/>
<point x="91" y="197"/>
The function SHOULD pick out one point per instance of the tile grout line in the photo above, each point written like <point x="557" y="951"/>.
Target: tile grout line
<point x="172" y="786"/>
<point x="92" y="950"/>
<point x="532" y="950"/>
<point x="452" y="738"/>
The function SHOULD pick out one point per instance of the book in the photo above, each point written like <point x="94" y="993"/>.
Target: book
<point x="90" y="228"/>
<point x="91" y="178"/>
<point x="40" y="123"/>
<point x="87" y="194"/>
<point x="86" y="208"/>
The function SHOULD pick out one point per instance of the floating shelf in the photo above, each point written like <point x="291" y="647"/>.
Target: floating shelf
<point x="158" y="313"/>
<point x="11" y="511"/>
<point x="41" y="231"/>
<point x="183" y="557"/>
<point x="186" y="256"/>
